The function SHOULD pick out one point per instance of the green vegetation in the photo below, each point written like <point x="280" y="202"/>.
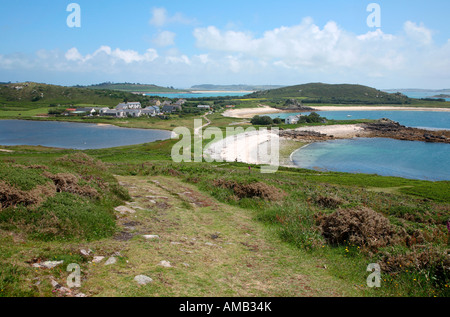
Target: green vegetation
<point x="131" y="87"/>
<point x="70" y="197"/>
<point x="28" y="96"/>
<point x="319" y="93"/>
<point x="324" y="228"/>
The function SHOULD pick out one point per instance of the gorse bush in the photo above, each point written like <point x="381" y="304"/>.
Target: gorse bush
<point x="71" y="198"/>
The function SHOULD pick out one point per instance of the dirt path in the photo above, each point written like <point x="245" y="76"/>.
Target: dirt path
<point x="196" y="246"/>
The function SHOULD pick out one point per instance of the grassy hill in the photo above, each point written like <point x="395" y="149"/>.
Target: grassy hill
<point x="26" y="96"/>
<point x="335" y="94"/>
<point x="129" y="87"/>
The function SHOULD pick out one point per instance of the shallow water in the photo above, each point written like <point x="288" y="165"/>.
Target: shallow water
<point x="415" y="119"/>
<point x="387" y="157"/>
<point x="79" y="136"/>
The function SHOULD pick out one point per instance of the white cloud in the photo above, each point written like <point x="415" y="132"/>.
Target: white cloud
<point x="285" y="55"/>
<point x="418" y="33"/>
<point x="127" y="56"/>
<point x="165" y="38"/>
<point x="160" y="18"/>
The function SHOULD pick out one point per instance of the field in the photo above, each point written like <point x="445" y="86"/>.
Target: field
<point x="213" y="219"/>
<point x="222" y="229"/>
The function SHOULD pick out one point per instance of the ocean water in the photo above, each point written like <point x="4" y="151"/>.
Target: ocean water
<point x="201" y="95"/>
<point x="419" y="94"/>
<point x="79" y="136"/>
<point x="416" y="119"/>
<point x="386" y="157"/>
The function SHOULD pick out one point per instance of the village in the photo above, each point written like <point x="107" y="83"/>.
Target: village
<point x="133" y="109"/>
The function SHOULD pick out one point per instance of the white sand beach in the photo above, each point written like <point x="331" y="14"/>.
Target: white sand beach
<point x="248" y="113"/>
<point x="251" y="147"/>
<point x="254" y="147"/>
<point x="338" y="131"/>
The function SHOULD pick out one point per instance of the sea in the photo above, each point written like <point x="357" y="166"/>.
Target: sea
<point x="78" y="136"/>
<point x="386" y="157"/>
<point x="200" y="95"/>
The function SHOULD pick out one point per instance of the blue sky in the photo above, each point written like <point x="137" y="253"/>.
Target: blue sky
<point x="184" y="43"/>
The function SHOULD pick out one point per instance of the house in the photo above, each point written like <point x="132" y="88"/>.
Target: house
<point x="88" y="111"/>
<point x="293" y="119"/>
<point x="135" y="113"/>
<point x="113" y="113"/>
<point x="151" y="111"/>
<point x="207" y="107"/>
<point x="229" y="106"/>
<point x="128" y="105"/>
<point x="171" y="109"/>
<point x="155" y="102"/>
<point x="180" y="102"/>
<point x="103" y="110"/>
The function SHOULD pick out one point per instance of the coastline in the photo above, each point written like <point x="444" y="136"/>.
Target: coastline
<point x="248" y="113"/>
<point x="246" y="147"/>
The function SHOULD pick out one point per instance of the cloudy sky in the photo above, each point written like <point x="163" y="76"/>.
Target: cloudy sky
<point x="184" y="43"/>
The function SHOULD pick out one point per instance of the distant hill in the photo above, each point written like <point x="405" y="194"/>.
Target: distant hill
<point x="335" y="94"/>
<point x="31" y="95"/>
<point x="130" y="87"/>
<point x="207" y="87"/>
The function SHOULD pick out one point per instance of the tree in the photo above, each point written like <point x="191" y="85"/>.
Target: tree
<point x="266" y="120"/>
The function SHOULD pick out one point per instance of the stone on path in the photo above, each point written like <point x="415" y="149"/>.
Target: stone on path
<point x="143" y="279"/>
<point x="98" y="259"/>
<point x="48" y="264"/>
<point x="151" y="237"/>
<point x="124" y="210"/>
<point x="165" y="264"/>
<point x="112" y="260"/>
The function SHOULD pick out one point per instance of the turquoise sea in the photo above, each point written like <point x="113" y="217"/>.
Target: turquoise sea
<point x="201" y="95"/>
<point x="416" y="160"/>
<point x="416" y="119"/>
<point x="387" y="157"/>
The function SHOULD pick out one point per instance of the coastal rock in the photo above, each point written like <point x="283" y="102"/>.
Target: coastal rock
<point x="385" y="128"/>
<point x="294" y="104"/>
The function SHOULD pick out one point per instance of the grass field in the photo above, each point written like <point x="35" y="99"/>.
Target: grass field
<point x="225" y="231"/>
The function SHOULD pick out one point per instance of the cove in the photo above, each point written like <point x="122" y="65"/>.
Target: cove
<point x="386" y="157"/>
<point x="77" y="136"/>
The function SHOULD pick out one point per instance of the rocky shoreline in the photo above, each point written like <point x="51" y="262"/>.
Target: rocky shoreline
<point x="383" y="128"/>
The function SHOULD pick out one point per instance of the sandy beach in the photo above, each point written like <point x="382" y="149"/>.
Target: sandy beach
<point x="338" y="131"/>
<point x="248" y="113"/>
<point x="251" y="147"/>
<point x="251" y="112"/>
<point x="246" y="147"/>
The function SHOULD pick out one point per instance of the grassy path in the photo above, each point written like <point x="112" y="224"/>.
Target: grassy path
<point x="213" y="249"/>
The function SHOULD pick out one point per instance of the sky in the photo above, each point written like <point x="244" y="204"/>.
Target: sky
<point x="184" y="43"/>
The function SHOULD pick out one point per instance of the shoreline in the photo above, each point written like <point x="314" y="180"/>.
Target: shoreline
<point x="246" y="147"/>
<point x="248" y="113"/>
